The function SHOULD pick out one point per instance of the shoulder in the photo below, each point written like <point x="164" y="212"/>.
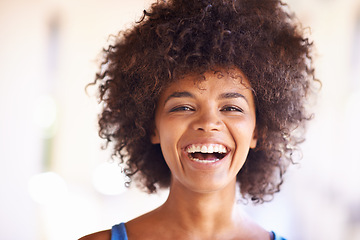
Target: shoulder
<point x="103" y="235"/>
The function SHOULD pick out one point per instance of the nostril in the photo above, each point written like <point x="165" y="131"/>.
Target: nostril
<point x="209" y="128"/>
<point x="207" y="122"/>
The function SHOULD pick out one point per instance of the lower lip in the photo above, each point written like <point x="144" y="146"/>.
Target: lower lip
<point x="204" y="164"/>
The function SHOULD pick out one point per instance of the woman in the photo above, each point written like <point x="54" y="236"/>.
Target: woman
<point x="201" y="96"/>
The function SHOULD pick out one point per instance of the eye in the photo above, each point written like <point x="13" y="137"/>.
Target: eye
<point x="182" y="109"/>
<point x="231" y="109"/>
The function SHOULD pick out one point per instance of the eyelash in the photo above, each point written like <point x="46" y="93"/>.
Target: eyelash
<point x="181" y="108"/>
<point x="224" y="109"/>
<point x="231" y="109"/>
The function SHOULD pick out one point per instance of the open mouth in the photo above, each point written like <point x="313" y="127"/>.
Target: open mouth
<point x="206" y="153"/>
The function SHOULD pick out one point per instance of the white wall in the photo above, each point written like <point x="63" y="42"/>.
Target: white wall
<point x="318" y="201"/>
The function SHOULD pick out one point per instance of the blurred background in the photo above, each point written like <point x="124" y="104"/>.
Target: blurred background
<point x="57" y="183"/>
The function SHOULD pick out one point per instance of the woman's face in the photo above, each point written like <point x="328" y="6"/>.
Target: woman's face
<point x="205" y="129"/>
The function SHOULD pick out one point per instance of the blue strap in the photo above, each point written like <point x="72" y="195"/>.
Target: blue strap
<point x="118" y="232"/>
<point x="278" y="237"/>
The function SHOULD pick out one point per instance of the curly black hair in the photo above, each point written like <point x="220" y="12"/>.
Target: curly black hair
<point x="177" y="37"/>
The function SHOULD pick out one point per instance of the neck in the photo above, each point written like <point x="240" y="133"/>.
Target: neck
<point x="202" y="212"/>
<point x="192" y="214"/>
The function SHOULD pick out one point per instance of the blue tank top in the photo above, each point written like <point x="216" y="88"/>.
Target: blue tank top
<point x="118" y="232"/>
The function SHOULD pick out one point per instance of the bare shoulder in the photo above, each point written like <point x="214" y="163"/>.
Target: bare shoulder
<point x="103" y="235"/>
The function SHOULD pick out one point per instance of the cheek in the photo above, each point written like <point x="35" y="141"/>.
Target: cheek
<point x="171" y="129"/>
<point x="244" y="136"/>
<point x="165" y="132"/>
<point x="169" y="139"/>
<point x="170" y="151"/>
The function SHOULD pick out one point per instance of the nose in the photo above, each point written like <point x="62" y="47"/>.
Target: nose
<point x="208" y="121"/>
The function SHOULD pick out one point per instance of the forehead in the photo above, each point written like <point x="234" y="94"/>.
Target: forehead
<point x="216" y="78"/>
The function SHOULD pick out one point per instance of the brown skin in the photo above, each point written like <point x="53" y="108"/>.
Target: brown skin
<point x="198" y="208"/>
<point x="189" y="215"/>
<point x="103" y="235"/>
<point x="198" y="216"/>
<point x="142" y="228"/>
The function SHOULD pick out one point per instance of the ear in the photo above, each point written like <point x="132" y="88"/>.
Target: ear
<point x="155" y="138"/>
<point x="254" y="139"/>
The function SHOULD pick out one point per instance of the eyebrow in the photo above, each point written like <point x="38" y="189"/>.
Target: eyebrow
<point x="179" y="95"/>
<point x="227" y="95"/>
<point x="232" y="95"/>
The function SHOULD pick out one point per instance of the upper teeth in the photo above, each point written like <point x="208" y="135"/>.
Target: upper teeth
<point x="210" y="148"/>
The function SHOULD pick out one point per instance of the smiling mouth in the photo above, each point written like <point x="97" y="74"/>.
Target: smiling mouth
<point x="206" y="153"/>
